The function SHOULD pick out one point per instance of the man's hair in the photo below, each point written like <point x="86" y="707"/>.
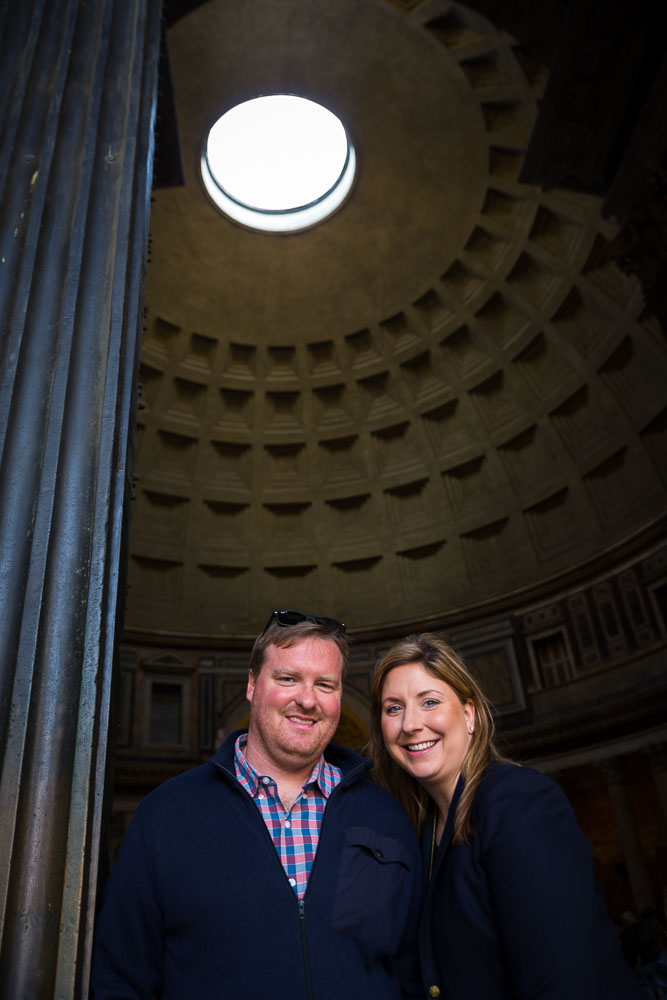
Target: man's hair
<point x="291" y="635"/>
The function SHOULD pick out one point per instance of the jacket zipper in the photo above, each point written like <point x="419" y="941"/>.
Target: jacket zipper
<point x="347" y="779"/>
<point x="304" y="950"/>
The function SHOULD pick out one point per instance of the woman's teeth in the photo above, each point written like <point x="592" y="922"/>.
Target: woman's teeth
<point x="414" y="747"/>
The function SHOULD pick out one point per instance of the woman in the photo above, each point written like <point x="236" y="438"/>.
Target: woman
<point x="511" y="909"/>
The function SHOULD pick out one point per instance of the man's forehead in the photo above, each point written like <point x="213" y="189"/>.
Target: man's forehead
<point x="311" y="653"/>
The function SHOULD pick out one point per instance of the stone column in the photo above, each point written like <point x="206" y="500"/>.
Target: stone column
<point x="76" y="148"/>
<point x="640" y="880"/>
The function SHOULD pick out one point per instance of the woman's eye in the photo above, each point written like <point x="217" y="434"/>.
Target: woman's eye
<point x="392" y="709"/>
<point x="431" y="702"/>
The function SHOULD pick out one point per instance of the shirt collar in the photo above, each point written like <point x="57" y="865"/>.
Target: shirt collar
<point x="244" y="771"/>
<point x="324" y="775"/>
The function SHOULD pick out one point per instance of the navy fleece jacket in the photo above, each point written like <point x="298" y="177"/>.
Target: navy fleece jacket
<point x="198" y="906"/>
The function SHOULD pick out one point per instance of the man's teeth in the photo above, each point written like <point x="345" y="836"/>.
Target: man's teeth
<point x="421" y="746"/>
<point x="302" y="722"/>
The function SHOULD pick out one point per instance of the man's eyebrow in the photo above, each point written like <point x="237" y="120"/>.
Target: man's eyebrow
<point x="328" y="679"/>
<point x="295" y="672"/>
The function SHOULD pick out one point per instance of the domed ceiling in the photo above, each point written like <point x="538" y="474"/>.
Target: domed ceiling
<point x="441" y="395"/>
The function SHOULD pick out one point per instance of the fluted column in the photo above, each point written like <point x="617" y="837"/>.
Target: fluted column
<point x="633" y="855"/>
<point x="76" y="122"/>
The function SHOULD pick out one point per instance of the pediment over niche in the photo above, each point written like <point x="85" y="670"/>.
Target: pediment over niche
<point x="168" y="663"/>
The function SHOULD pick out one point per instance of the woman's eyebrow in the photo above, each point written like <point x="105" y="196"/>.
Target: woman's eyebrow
<point x="420" y="694"/>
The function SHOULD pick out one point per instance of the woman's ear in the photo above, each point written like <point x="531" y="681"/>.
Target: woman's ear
<point x="469" y="712"/>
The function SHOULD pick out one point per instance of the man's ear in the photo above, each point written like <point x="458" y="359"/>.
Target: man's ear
<point x="251" y="685"/>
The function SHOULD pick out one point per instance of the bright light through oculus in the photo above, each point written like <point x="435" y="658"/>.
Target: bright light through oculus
<point x="278" y="163"/>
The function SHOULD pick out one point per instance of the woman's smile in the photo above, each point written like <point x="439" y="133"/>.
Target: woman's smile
<point x="426" y="727"/>
<point x="420" y="747"/>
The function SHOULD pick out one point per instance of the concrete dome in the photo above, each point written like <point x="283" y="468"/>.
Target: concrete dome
<point x="444" y="394"/>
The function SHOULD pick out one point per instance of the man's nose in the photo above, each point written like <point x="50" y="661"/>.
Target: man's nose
<point x="305" y="695"/>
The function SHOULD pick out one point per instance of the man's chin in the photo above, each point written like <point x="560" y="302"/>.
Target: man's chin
<point x="307" y="744"/>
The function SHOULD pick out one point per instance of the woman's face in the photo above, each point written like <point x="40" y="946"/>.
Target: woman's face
<point x="425" y="727"/>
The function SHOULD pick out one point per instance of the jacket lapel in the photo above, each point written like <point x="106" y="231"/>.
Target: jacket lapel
<point x="435" y="855"/>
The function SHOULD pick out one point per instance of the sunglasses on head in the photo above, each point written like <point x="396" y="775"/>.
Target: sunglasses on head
<point x="287" y="618"/>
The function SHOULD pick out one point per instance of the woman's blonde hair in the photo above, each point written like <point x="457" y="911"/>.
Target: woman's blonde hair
<point x="438" y="657"/>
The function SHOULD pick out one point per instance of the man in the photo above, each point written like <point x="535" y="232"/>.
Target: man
<point x="277" y="869"/>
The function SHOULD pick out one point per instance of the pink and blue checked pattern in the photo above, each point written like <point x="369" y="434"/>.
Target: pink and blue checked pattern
<point x="295" y="834"/>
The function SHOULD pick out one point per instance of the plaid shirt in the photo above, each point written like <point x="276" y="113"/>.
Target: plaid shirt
<point x="294" y="834"/>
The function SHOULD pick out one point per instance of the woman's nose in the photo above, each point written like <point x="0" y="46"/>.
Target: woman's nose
<point x="411" y="720"/>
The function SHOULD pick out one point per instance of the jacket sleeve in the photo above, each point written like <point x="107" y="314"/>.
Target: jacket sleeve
<point x="549" y="914"/>
<point x="128" y="943"/>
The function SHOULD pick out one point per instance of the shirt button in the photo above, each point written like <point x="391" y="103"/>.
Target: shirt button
<point x="287" y="823"/>
<point x="261" y="795"/>
<point x="266" y="781"/>
<point x="434" y="991"/>
<point x="292" y="882"/>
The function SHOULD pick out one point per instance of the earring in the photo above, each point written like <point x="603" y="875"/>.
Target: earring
<point x="471" y="730"/>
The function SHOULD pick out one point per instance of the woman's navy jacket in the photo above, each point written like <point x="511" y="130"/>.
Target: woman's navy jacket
<point x="515" y="914"/>
<point x="198" y="906"/>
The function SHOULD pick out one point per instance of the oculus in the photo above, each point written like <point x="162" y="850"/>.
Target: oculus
<point x="278" y="164"/>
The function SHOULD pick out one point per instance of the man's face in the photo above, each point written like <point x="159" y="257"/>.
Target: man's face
<point x="295" y="705"/>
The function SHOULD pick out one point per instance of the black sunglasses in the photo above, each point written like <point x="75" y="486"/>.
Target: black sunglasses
<point x="287" y="618"/>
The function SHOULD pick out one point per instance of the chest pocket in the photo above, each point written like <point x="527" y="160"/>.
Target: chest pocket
<point x="373" y="889"/>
